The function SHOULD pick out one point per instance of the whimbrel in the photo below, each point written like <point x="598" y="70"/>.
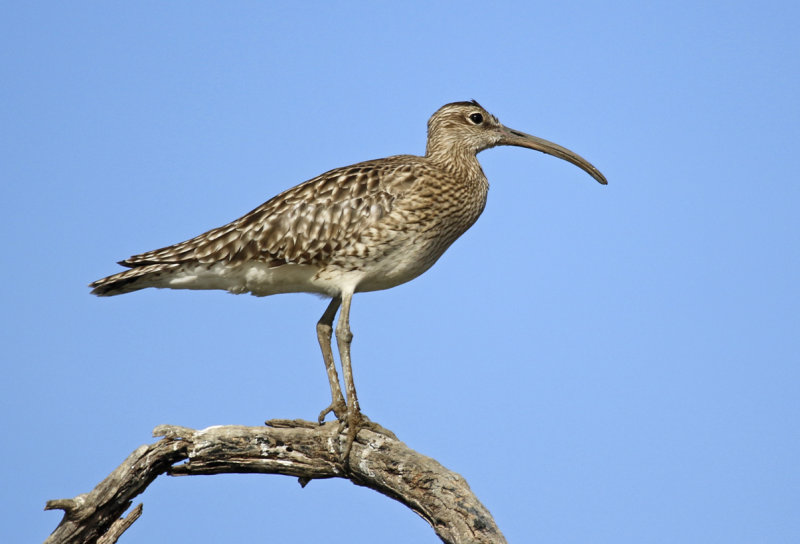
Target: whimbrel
<point x="365" y="227"/>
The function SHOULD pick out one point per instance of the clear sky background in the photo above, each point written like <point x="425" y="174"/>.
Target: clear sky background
<point x="602" y="364"/>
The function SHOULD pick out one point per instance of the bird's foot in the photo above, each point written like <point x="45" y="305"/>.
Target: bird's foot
<point x="339" y="409"/>
<point x="353" y="421"/>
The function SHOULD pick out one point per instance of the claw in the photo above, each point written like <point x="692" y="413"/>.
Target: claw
<point x="339" y="409"/>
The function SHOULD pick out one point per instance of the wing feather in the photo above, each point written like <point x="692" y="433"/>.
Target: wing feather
<point x="306" y="224"/>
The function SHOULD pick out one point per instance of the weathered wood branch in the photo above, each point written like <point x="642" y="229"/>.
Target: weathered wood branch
<point x="297" y="448"/>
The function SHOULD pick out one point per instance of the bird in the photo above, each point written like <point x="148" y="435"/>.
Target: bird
<point x="365" y="227"/>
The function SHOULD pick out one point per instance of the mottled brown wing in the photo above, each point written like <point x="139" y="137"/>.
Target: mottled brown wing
<point x="306" y="224"/>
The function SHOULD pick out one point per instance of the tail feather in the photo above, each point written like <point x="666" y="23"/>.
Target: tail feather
<point x="139" y="277"/>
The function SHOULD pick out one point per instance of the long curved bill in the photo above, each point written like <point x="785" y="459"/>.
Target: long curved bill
<point x="520" y="139"/>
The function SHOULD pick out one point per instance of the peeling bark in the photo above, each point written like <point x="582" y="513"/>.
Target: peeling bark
<point x="302" y="449"/>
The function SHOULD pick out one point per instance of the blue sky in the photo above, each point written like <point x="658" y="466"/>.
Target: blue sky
<point x="602" y="364"/>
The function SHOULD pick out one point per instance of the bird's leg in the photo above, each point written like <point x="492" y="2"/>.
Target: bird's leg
<point x="324" y="331"/>
<point x="344" y="337"/>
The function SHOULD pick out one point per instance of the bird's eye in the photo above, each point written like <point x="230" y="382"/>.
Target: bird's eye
<point x="476" y="118"/>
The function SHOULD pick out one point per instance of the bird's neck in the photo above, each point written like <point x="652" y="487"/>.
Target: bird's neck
<point x="462" y="162"/>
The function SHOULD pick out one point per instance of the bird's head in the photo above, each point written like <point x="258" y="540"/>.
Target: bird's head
<point x="466" y="127"/>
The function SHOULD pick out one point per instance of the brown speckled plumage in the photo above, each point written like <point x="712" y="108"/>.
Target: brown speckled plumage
<point x="368" y="226"/>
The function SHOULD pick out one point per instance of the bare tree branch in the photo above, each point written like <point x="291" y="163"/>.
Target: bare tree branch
<point x="120" y="526"/>
<point x="291" y="447"/>
<point x="89" y="516"/>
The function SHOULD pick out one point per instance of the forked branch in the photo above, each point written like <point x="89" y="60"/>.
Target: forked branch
<point x="291" y="447"/>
